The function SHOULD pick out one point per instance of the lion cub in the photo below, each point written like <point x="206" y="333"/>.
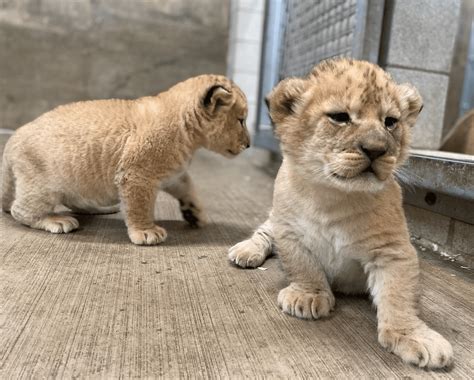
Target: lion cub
<point x="337" y="222"/>
<point x="91" y="155"/>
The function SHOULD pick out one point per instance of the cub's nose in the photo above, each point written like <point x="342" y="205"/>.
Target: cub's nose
<point x="373" y="153"/>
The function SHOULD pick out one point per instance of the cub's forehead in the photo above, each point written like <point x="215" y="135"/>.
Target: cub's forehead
<point x="338" y="68"/>
<point x="355" y="83"/>
<point x="240" y="100"/>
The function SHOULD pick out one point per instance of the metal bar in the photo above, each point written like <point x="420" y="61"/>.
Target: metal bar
<point x="362" y="10"/>
<point x="460" y="72"/>
<point x="368" y="29"/>
<point x="452" y="176"/>
<point x="272" y="38"/>
<point x="467" y="98"/>
<point x="439" y="203"/>
<point x="265" y="139"/>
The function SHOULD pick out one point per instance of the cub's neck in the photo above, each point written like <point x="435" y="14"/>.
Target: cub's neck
<point x="165" y="116"/>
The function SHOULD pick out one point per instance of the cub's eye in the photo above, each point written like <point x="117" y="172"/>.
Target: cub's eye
<point x="390" y="123"/>
<point x="242" y="122"/>
<point x="340" y="117"/>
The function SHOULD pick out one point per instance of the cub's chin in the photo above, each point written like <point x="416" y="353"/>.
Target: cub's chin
<point x="365" y="181"/>
<point x="229" y="153"/>
<point x="233" y="152"/>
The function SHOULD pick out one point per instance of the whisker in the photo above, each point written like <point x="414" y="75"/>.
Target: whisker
<point x="406" y="179"/>
<point x="415" y="178"/>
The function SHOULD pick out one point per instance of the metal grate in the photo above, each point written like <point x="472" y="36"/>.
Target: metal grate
<point x="317" y="30"/>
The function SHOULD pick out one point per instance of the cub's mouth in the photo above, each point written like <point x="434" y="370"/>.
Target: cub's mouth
<point x="367" y="173"/>
<point x="235" y="152"/>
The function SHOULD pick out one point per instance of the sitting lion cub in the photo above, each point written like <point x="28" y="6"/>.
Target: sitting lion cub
<point x="89" y="156"/>
<point x="337" y="222"/>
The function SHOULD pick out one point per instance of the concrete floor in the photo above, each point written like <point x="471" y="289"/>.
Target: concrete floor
<point x="91" y="304"/>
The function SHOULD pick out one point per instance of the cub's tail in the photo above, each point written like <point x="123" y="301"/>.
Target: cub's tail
<point x="8" y="185"/>
<point x="252" y="252"/>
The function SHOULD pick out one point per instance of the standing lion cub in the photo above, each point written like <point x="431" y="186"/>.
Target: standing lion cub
<point x="89" y="156"/>
<point x="337" y="221"/>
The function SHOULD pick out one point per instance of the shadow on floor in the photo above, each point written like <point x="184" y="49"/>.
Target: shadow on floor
<point x="112" y="230"/>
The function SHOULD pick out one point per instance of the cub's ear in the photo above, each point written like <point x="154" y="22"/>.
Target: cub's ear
<point x="282" y="100"/>
<point x="217" y="96"/>
<point x="411" y="102"/>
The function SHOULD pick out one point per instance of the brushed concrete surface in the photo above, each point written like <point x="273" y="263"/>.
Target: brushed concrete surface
<point x="423" y="34"/>
<point x="91" y="305"/>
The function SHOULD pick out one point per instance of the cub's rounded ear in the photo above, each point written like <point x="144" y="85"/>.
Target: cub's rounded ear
<point x="282" y="100"/>
<point x="411" y="102"/>
<point x="216" y="97"/>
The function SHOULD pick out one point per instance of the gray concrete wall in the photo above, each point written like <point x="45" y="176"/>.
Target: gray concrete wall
<point x="451" y="239"/>
<point x="58" y="51"/>
<point x="418" y="47"/>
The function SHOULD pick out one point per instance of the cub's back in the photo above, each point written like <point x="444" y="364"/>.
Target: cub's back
<point x="74" y="138"/>
<point x="81" y="119"/>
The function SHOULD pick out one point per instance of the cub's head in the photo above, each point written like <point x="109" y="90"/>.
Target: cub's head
<point x="223" y="111"/>
<point x="347" y="124"/>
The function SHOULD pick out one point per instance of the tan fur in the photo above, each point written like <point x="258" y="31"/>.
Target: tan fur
<point x="92" y="155"/>
<point x="335" y="225"/>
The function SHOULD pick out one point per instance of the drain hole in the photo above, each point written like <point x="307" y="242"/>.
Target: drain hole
<point x="430" y="198"/>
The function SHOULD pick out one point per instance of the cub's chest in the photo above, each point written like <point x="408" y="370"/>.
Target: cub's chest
<point x="314" y="232"/>
<point x="322" y="231"/>
<point x="333" y="247"/>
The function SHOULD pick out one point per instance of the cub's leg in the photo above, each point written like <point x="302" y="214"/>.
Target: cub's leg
<point x="34" y="205"/>
<point x="252" y="252"/>
<point x="138" y="196"/>
<point x="393" y="283"/>
<point x="309" y="295"/>
<point x="182" y="188"/>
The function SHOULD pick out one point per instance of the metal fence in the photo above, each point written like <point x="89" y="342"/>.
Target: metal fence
<point x="316" y="31"/>
<point x="301" y="33"/>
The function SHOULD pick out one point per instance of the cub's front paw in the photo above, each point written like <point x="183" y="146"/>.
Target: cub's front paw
<point x="193" y="214"/>
<point x="305" y="304"/>
<point x="247" y="254"/>
<point x="423" y="346"/>
<point x="149" y="236"/>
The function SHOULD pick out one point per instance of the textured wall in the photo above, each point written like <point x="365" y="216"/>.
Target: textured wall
<point x="419" y="47"/>
<point x="58" y="51"/>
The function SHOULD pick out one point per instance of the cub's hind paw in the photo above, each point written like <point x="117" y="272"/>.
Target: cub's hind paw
<point x="148" y="236"/>
<point x="247" y="254"/>
<point x="57" y="224"/>
<point x="193" y="215"/>
<point x="423" y="347"/>
<point x="301" y="303"/>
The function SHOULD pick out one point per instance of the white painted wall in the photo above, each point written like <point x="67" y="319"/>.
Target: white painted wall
<point x="245" y="49"/>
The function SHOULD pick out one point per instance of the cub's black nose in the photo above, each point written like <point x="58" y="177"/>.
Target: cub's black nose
<point x="373" y="154"/>
<point x="248" y="146"/>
